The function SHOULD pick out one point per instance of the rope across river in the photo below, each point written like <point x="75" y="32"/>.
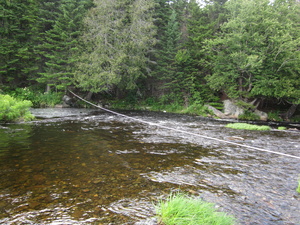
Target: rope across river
<point x="186" y="132"/>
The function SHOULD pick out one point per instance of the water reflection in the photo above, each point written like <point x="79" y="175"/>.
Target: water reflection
<point x="104" y="169"/>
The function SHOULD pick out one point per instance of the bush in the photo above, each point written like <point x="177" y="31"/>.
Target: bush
<point x="180" y="209"/>
<point x="248" y="116"/>
<point x="245" y="126"/>
<point x="274" y="116"/>
<point x="37" y="97"/>
<point x="13" y="110"/>
<point x="197" y="109"/>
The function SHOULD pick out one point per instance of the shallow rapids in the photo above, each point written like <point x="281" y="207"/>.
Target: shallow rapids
<point x="91" y="167"/>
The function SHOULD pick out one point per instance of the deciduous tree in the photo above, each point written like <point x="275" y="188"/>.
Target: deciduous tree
<point x="257" y="53"/>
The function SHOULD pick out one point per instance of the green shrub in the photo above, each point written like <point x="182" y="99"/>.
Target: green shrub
<point x="245" y="126"/>
<point x="248" y="116"/>
<point x="37" y="96"/>
<point x="274" y="116"/>
<point x="197" y="109"/>
<point x="217" y="105"/>
<point x="180" y="209"/>
<point x="47" y="99"/>
<point x="298" y="189"/>
<point x="13" y="110"/>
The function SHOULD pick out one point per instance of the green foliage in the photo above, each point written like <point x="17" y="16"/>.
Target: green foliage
<point x="248" y="115"/>
<point x="60" y="43"/>
<point x="245" y="126"/>
<point x="298" y="188"/>
<point x="296" y="118"/>
<point x="49" y="99"/>
<point x="37" y="97"/>
<point x="17" y="34"/>
<point x="184" y="210"/>
<point x="274" y="116"/>
<point x="197" y="109"/>
<point x="281" y="128"/>
<point x="14" y="110"/>
<point x="217" y="105"/>
<point x="118" y="35"/>
<point x="256" y="54"/>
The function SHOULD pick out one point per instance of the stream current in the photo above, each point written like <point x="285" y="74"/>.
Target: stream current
<point x="76" y="166"/>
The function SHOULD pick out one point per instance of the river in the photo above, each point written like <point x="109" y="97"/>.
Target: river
<point x="78" y="166"/>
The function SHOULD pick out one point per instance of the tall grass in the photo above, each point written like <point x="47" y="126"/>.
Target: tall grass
<point x="180" y="209"/>
<point x="245" y="126"/>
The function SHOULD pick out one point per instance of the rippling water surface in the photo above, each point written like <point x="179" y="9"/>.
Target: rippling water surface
<point x="98" y="168"/>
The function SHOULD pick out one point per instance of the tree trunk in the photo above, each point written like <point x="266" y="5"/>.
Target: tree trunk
<point x="48" y="88"/>
<point x="89" y="96"/>
<point x="290" y="112"/>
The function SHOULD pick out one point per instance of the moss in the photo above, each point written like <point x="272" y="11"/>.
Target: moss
<point x="281" y="128"/>
<point x="245" y="126"/>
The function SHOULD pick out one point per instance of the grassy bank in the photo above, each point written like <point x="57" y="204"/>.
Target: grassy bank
<point x="181" y="209"/>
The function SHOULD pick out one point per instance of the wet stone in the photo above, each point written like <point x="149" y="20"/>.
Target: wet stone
<point x="97" y="181"/>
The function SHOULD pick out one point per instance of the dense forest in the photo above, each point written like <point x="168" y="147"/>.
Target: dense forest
<point x="180" y="52"/>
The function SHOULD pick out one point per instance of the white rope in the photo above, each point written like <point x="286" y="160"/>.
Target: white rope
<point x="186" y="132"/>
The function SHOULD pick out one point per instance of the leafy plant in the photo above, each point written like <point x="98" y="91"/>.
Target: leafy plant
<point x="48" y="99"/>
<point x="247" y="115"/>
<point x="245" y="126"/>
<point x="274" y="116"/>
<point x="181" y="209"/>
<point x="197" y="109"/>
<point x="13" y="110"/>
<point x="37" y="97"/>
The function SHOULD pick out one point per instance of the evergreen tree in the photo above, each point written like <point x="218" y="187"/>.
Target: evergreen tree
<point x="202" y="23"/>
<point x="116" y="42"/>
<point x="59" y="44"/>
<point x="180" y="62"/>
<point x="59" y="41"/>
<point x="17" y="32"/>
<point x="167" y="17"/>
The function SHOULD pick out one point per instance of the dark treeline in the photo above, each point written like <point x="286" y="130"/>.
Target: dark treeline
<point x="177" y="51"/>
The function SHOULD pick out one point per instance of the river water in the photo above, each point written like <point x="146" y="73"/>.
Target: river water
<point x="76" y="166"/>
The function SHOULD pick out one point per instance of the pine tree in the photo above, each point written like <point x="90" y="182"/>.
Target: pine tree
<point x="59" y="44"/>
<point x="16" y="40"/>
<point x="59" y="41"/>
